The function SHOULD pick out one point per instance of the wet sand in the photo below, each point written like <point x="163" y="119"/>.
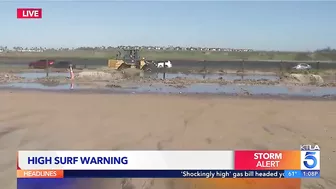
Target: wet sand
<point x="47" y="120"/>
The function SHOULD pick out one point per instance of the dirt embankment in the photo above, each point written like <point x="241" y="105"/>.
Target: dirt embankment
<point x="305" y="79"/>
<point x="134" y="75"/>
<point x="109" y="77"/>
<point x="9" y="77"/>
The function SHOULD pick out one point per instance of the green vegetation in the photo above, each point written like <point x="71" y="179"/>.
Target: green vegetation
<point x="321" y="55"/>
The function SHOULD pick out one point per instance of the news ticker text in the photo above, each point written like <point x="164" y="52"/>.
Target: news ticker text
<point x="170" y="174"/>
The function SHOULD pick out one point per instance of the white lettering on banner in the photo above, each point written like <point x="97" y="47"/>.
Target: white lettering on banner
<point x="30" y="13"/>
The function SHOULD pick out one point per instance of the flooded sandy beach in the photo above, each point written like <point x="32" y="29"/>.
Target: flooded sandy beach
<point x="170" y="83"/>
<point x="50" y="120"/>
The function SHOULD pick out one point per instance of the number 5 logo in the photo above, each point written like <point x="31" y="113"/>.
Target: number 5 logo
<point x="310" y="156"/>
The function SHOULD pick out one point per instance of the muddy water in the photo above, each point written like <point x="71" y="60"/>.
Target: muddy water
<point x="41" y="75"/>
<point x="237" y="89"/>
<point x="228" y="77"/>
<point x="209" y="88"/>
<point x="197" y="88"/>
<point x="41" y="86"/>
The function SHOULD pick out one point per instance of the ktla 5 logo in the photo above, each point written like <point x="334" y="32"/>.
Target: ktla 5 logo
<point x="310" y="160"/>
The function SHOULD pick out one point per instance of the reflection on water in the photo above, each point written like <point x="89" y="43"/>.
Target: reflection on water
<point x="208" y="88"/>
<point x="41" y="75"/>
<point x="228" y="77"/>
<point x="234" y="89"/>
<point x="40" y="86"/>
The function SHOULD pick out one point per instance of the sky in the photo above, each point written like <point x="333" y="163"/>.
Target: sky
<point x="259" y="25"/>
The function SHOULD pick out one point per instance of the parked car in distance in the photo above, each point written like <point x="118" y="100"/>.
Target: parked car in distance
<point x="41" y="64"/>
<point x="63" y="64"/>
<point x="302" y="66"/>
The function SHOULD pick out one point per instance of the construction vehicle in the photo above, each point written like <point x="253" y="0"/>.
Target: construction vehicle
<point x="128" y="59"/>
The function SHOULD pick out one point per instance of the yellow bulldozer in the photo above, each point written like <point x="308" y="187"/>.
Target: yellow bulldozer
<point x="128" y="59"/>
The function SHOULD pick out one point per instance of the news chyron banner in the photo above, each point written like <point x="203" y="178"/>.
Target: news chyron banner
<point x="202" y="169"/>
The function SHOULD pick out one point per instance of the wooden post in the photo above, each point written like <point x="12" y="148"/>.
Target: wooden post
<point x="47" y="68"/>
<point x="164" y="70"/>
<point x="281" y="68"/>
<point x="242" y="69"/>
<point x="204" y="66"/>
